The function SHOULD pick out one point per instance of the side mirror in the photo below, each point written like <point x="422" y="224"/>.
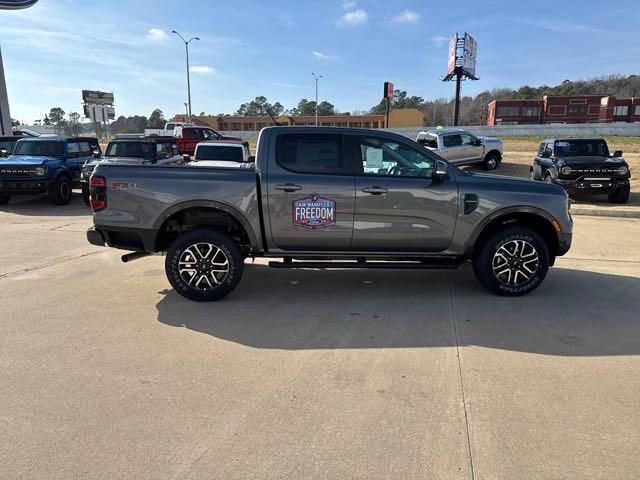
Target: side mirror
<point x="479" y="142"/>
<point x="96" y="154"/>
<point x="545" y="154"/>
<point x="442" y="171"/>
<point x="617" y="153"/>
<point x="3" y="153"/>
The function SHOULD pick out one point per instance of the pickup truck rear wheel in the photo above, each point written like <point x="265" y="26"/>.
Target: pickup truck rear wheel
<point x="204" y="265"/>
<point x="491" y="161"/>
<point x="60" y="190"/>
<point x="513" y="261"/>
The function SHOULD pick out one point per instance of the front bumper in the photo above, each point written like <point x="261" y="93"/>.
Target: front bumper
<point x="24" y="185"/>
<point x="564" y="243"/>
<point x="592" y="184"/>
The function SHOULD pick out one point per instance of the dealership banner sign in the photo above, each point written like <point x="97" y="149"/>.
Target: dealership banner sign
<point x="314" y="212"/>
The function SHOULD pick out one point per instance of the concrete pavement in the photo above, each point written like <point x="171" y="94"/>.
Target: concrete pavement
<point x="107" y="373"/>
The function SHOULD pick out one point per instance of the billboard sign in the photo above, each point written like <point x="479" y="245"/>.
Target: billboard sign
<point x="453" y="47"/>
<point x="388" y="90"/>
<point x="469" y="53"/>
<point x="97" y="98"/>
<point x="100" y="113"/>
<point x="16" y="4"/>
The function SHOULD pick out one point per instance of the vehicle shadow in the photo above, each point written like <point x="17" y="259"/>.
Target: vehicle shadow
<point x="574" y="313"/>
<point x="506" y="169"/>
<point x="41" y="206"/>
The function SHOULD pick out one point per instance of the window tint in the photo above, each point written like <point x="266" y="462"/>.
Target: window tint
<point x="310" y="153"/>
<point x="572" y="148"/>
<point x="389" y="158"/>
<point x="131" y="149"/>
<point x="452" y="140"/>
<point x="85" y="149"/>
<point x="7" y="145"/>
<point x="219" y="152"/>
<point x="468" y="139"/>
<point x="73" y="150"/>
<point x="429" y="141"/>
<point x="170" y="126"/>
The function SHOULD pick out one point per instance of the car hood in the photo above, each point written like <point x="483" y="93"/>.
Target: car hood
<point x="515" y="183"/>
<point x="29" y="161"/>
<point x="490" y="139"/>
<point x="591" y="161"/>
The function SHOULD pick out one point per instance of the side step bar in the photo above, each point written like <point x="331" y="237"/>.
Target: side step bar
<point x="426" y="264"/>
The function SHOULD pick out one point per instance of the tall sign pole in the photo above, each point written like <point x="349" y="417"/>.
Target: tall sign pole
<point x="317" y="77"/>
<point x="388" y="95"/>
<point x="5" y="116"/>
<point x="461" y="66"/>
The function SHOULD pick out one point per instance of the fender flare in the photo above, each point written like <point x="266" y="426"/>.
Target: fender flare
<point x="503" y="212"/>
<point x="229" y="209"/>
<point x="494" y="150"/>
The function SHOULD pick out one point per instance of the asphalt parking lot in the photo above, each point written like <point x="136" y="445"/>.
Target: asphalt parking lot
<point x="107" y="373"/>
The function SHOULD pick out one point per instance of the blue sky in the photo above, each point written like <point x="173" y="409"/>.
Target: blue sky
<point x="248" y="48"/>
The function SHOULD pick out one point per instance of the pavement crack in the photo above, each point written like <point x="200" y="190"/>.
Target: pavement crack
<point x="46" y="265"/>
<point x="461" y="377"/>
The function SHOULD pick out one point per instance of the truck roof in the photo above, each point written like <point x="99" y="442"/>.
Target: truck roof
<point x="59" y="139"/>
<point x="443" y="131"/>
<point x="238" y="143"/>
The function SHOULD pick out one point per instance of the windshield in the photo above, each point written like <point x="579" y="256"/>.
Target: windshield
<point x="580" y="148"/>
<point x="220" y="152"/>
<point x="131" y="149"/>
<point x="7" y="145"/>
<point x="38" y="148"/>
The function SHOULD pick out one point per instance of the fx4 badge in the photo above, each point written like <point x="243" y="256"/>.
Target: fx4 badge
<point x="314" y="212"/>
<point x="122" y="185"/>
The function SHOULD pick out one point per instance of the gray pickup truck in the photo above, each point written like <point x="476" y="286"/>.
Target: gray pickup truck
<point x="463" y="148"/>
<point x="331" y="198"/>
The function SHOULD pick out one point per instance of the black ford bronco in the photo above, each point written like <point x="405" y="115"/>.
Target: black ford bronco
<point x="583" y="165"/>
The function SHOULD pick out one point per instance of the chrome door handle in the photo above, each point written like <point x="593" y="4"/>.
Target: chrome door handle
<point x="288" y="187"/>
<point x="375" y="190"/>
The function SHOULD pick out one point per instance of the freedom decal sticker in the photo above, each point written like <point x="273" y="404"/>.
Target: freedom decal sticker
<point x="314" y="212"/>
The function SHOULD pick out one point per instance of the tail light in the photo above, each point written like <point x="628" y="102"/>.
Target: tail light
<point x="97" y="193"/>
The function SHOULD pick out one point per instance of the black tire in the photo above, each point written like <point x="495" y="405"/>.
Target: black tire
<point x="4" y="199"/>
<point x="202" y="285"/>
<point x="85" y="194"/>
<point x="488" y="262"/>
<point x="61" y="190"/>
<point x="621" y="195"/>
<point x="491" y="161"/>
<point x="548" y="178"/>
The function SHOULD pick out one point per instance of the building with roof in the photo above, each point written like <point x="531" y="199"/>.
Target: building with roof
<point x="564" y="109"/>
<point x="398" y="118"/>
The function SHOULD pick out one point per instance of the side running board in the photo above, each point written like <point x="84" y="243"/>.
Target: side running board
<point x="435" y="263"/>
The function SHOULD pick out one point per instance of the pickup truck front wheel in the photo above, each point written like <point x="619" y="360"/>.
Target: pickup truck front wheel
<point x="511" y="262"/>
<point x="204" y="265"/>
<point x="491" y="161"/>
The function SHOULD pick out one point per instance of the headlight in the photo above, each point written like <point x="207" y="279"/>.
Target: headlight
<point x="622" y="171"/>
<point x="41" y="171"/>
<point x="566" y="170"/>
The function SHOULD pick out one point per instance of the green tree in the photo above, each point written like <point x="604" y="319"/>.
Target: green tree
<point x="156" y="119"/>
<point x="260" y="107"/>
<point x="56" y="116"/>
<point x="306" y="107"/>
<point x="400" y="100"/>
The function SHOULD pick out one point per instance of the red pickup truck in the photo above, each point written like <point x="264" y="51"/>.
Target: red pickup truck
<point x="188" y="137"/>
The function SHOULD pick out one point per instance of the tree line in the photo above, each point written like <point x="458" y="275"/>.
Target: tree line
<point x="438" y="111"/>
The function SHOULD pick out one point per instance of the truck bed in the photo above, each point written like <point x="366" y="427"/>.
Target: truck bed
<point x="143" y="197"/>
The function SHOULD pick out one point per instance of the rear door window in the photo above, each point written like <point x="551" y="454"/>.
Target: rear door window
<point x="73" y="150"/>
<point x="311" y="153"/>
<point x="451" y="141"/>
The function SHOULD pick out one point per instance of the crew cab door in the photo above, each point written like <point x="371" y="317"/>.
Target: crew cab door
<point x="310" y="193"/>
<point x="399" y="206"/>
<point x="76" y="158"/>
<point x="452" y="148"/>
<point x="473" y="149"/>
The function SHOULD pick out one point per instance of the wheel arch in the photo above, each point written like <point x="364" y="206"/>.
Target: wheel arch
<point x="538" y="220"/>
<point x="189" y="215"/>
<point x="494" y="151"/>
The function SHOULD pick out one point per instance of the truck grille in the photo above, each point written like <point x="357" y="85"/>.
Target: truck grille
<point x="596" y="171"/>
<point x="18" y="172"/>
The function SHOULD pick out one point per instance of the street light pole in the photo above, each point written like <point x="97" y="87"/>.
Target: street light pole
<point x="186" y="49"/>
<point x="317" y="77"/>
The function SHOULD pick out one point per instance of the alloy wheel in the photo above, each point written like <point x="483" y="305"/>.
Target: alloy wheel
<point x="515" y="262"/>
<point x="203" y="266"/>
